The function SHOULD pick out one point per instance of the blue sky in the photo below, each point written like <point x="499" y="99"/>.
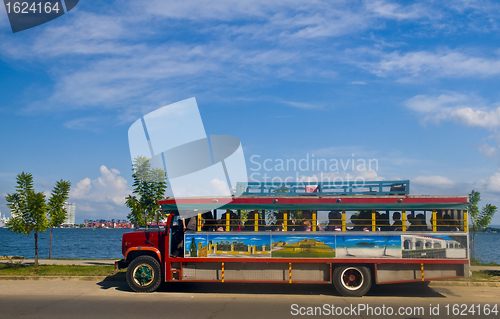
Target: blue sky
<point x="411" y="84"/>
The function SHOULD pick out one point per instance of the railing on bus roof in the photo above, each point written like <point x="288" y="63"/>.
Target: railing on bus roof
<point x="324" y="188"/>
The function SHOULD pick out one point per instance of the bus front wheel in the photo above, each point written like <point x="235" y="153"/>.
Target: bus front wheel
<point x="144" y="274"/>
<point x="353" y="281"/>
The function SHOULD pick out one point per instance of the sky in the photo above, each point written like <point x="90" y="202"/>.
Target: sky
<point x="408" y="85"/>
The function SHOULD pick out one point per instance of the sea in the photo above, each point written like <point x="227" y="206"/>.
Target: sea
<point x="67" y="243"/>
<point x="101" y="243"/>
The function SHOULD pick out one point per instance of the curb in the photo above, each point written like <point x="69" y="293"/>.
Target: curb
<point x="464" y="284"/>
<point x="64" y="278"/>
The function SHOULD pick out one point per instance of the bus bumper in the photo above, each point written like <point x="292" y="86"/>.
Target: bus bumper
<point x="120" y="264"/>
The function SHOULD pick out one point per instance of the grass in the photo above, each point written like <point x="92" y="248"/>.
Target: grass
<point x="17" y="269"/>
<point x="477" y="262"/>
<point x="486" y="275"/>
<point x="483" y="276"/>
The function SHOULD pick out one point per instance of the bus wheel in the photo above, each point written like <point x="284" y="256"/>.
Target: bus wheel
<point x="354" y="281"/>
<point x="144" y="274"/>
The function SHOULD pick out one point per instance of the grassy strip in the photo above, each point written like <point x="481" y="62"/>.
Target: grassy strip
<point x="483" y="276"/>
<point x="16" y="269"/>
<point x="477" y="262"/>
<point x="486" y="275"/>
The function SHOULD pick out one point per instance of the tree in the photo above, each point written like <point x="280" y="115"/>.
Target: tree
<point x="479" y="218"/>
<point x="28" y="209"/>
<point x="149" y="187"/>
<point x="57" y="212"/>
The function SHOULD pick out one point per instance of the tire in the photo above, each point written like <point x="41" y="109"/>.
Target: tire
<point x="352" y="281"/>
<point x="144" y="274"/>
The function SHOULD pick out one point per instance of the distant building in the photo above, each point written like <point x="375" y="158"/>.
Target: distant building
<point x="70" y="214"/>
<point x="3" y="220"/>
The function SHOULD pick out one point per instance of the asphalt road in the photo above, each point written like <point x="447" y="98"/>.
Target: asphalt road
<point x="85" y="299"/>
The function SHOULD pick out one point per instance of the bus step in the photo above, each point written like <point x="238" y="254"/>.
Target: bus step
<point x="176" y="274"/>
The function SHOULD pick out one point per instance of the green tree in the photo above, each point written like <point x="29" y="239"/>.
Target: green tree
<point x="149" y="187"/>
<point x="479" y="219"/>
<point x="28" y="209"/>
<point x="57" y="212"/>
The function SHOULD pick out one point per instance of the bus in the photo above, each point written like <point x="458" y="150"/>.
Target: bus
<point x="349" y="235"/>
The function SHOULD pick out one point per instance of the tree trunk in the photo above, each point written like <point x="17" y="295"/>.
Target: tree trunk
<point x="50" y="245"/>
<point x="473" y="244"/>
<point x="36" y="249"/>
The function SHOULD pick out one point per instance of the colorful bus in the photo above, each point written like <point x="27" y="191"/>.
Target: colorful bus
<point x="351" y="235"/>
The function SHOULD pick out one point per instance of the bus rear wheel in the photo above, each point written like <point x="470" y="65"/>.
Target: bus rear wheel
<point x="352" y="281"/>
<point x="144" y="274"/>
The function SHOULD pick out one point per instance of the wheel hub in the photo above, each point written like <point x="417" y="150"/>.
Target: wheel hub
<point x="143" y="275"/>
<point x="352" y="278"/>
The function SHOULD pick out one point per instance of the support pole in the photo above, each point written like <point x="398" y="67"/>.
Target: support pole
<point x="403" y="213"/>
<point x="343" y="220"/>
<point x="434" y="223"/>
<point x="313" y="221"/>
<point x="374" y="227"/>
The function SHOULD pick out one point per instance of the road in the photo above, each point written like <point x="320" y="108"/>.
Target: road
<point x="85" y="299"/>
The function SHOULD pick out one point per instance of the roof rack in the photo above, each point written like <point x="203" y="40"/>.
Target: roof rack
<point x="324" y="188"/>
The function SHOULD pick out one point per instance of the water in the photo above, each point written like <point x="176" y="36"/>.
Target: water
<point x="85" y="243"/>
<point x="488" y="247"/>
<point x="67" y="243"/>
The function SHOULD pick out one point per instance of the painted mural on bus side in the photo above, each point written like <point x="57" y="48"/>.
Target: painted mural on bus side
<point x="195" y="245"/>
<point x="293" y="246"/>
<point x="434" y="246"/>
<point x="258" y="245"/>
<point x="249" y="246"/>
<point x="368" y="246"/>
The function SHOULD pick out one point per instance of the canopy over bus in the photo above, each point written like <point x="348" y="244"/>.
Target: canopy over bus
<point x="379" y="195"/>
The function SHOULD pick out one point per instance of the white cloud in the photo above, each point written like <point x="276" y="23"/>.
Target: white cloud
<point x="439" y="182"/>
<point x="86" y="123"/>
<point x="487" y="151"/>
<point x="302" y="105"/>
<point x="489" y="119"/>
<point x="466" y="109"/>
<point x="82" y="188"/>
<point x="219" y="187"/>
<point x="429" y="104"/>
<point x="445" y="63"/>
<point x="358" y="82"/>
<point x="109" y="188"/>
<point x="396" y="11"/>
<point x="439" y="185"/>
<point x="491" y="184"/>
